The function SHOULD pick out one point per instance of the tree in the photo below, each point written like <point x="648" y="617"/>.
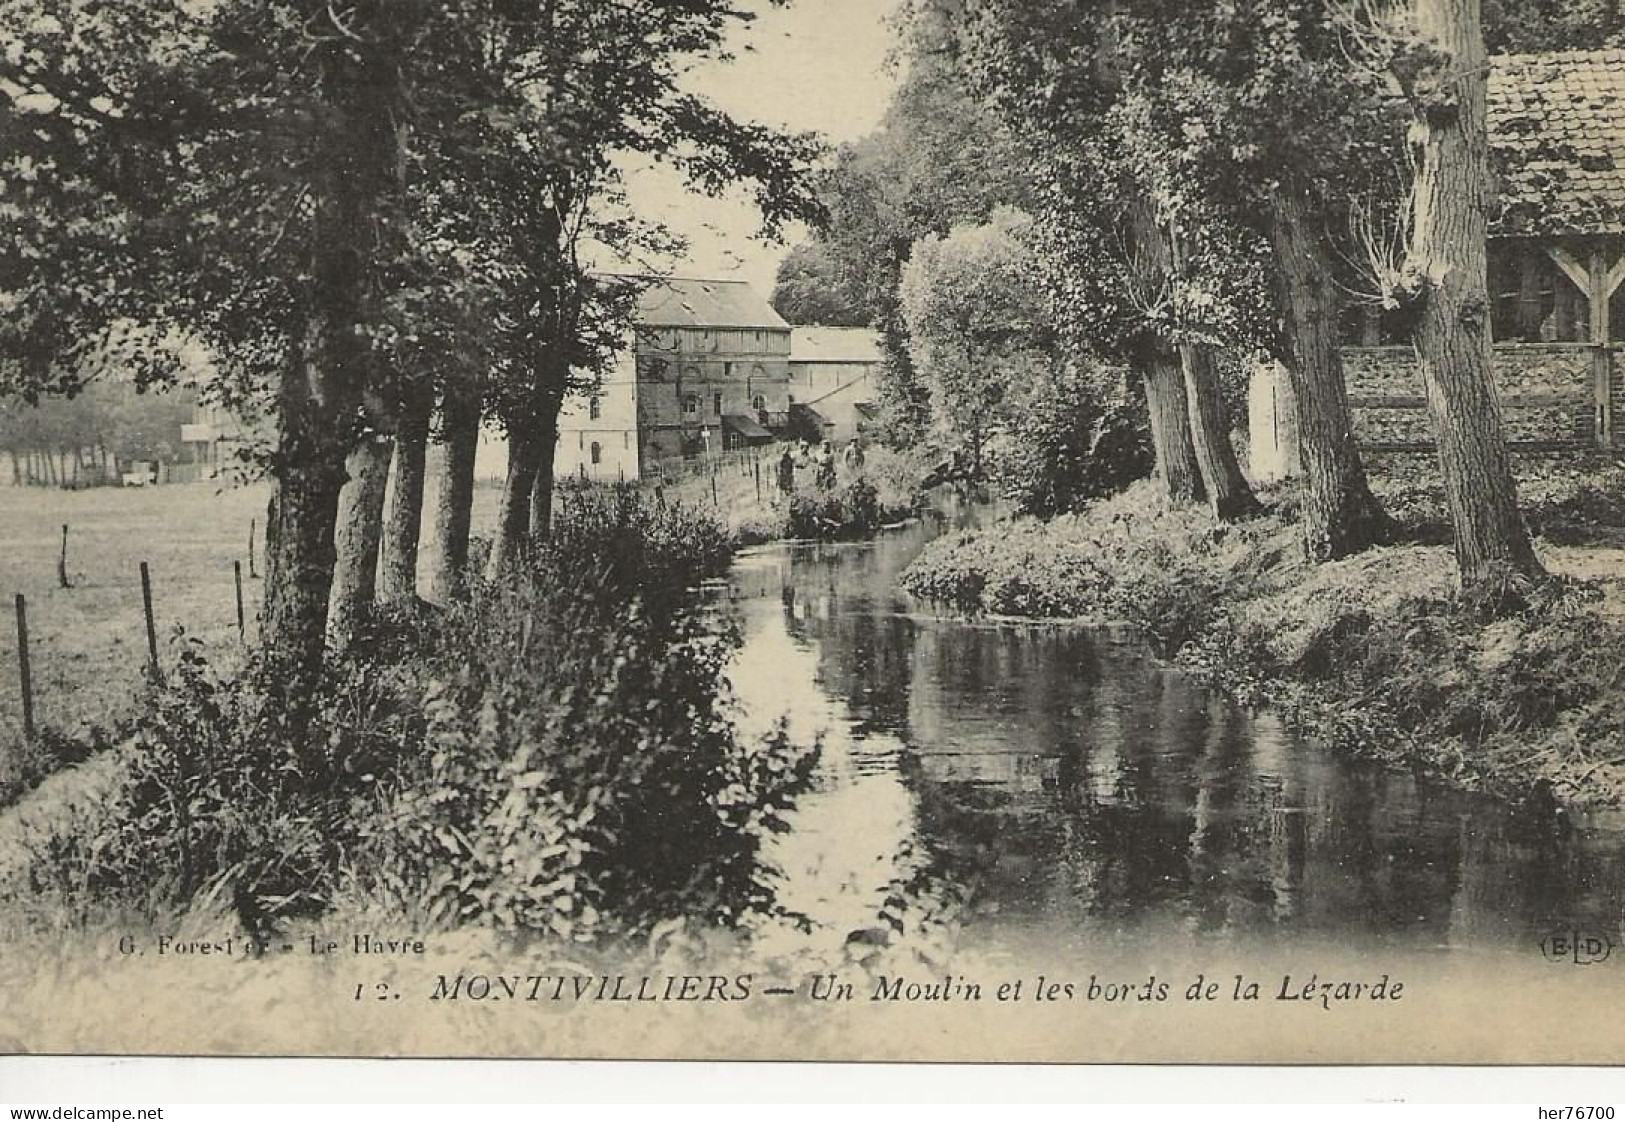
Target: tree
<point x="1053" y="72"/>
<point x="553" y="185"/>
<point x="1440" y="62"/>
<point x="252" y="181"/>
<point x="810" y="289"/>
<point x="940" y="158"/>
<point x="1553" y="25"/>
<point x="976" y="324"/>
<point x="1251" y="108"/>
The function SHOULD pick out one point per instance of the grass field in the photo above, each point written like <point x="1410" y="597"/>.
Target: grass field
<point x="87" y="643"/>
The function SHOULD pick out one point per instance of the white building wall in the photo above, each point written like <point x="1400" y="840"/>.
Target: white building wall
<point x="602" y="446"/>
<point x="835" y="389"/>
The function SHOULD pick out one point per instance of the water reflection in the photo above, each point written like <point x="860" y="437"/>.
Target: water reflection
<point x="1055" y="787"/>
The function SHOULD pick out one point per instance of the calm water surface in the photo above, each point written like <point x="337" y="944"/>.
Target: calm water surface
<point x="1045" y="788"/>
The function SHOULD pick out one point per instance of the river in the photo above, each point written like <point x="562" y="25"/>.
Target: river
<point x="1025" y="790"/>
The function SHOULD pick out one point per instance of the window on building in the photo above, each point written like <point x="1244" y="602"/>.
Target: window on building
<point x="691" y="403"/>
<point x="595" y="409"/>
<point x="759" y="403"/>
<point x="716" y="404"/>
<point x="597" y="452"/>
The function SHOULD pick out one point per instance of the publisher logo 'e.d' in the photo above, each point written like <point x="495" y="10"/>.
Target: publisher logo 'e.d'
<point x="1581" y="948"/>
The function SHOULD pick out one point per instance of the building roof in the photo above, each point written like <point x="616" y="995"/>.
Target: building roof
<point x="1557" y="129"/>
<point x="746" y="427"/>
<point x="695" y="302"/>
<point x="834" y="344"/>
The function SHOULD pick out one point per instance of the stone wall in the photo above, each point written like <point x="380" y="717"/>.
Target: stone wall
<point x="1547" y="395"/>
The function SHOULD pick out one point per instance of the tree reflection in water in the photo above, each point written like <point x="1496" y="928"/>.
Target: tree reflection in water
<point x="1053" y="786"/>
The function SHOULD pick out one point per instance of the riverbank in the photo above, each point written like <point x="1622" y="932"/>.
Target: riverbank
<point x="88" y="643"/>
<point x="555" y="755"/>
<point x="746" y="494"/>
<point x="1373" y="655"/>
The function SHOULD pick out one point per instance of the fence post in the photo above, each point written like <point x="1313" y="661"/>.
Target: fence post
<point x="251" y="573"/>
<point x="237" y="574"/>
<point x="62" y="560"/>
<point x="152" y="630"/>
<point x="23" y="668"/>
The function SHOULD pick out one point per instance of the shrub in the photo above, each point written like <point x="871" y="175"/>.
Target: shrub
<point x="232" y="791"/>
<point x="635" y="542"/>
<point x="1076" y="438"/>
<point x="581" y="772"/>
<point x="1021" y="570"/>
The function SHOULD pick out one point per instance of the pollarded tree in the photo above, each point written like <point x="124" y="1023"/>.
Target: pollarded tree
<point x="1437" y="52"/>
<point x="1252" y="109"/>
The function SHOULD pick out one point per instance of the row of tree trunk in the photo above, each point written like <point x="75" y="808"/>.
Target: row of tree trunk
<point x="379" y="523"/>
<point x="62" y="467"/>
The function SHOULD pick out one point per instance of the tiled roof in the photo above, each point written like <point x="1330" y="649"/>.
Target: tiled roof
<point x="692" y="302"/>
<point x="1557" y="131"/>
<point x="834" y="344"/>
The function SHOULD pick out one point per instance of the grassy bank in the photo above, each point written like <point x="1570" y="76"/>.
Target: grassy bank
<point x="88" y="641"/>
<point x="555" y="757"/>
<point x="1374" y="654"/>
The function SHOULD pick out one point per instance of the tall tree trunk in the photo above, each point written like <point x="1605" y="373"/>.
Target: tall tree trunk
<point x="541" y="492"/>
<point x="1452" y="334"/>
<point x="358" y="532"/>
<point x="1340" y="514"/>
<point x="512" y="538"/>
<point x="460" y="433"/>
<point x="299" y="520"/>
<point x="1228" y="493"/>
<point x="356" y="170"/>
<point x="405" y="522"/>
<point x="1171" y="429"/>
<point x="1154" y="265"/>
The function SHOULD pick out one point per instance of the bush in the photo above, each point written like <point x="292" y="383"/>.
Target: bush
<point x="635" y="542"/>
<point x="580" y="772"/>
<point x="1021" y="570"/>
<point x="233" y="791"/>
<point x="1074" y="439"/>
<point x="26" y="763"/>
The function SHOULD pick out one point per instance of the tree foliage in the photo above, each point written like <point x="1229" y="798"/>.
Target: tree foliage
<point x="342" y="203"/>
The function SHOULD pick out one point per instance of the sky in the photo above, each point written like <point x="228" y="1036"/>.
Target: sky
<point x="817" y="65"/>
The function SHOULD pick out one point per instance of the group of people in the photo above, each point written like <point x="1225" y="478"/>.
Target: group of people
<point x="821" y="460"/>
